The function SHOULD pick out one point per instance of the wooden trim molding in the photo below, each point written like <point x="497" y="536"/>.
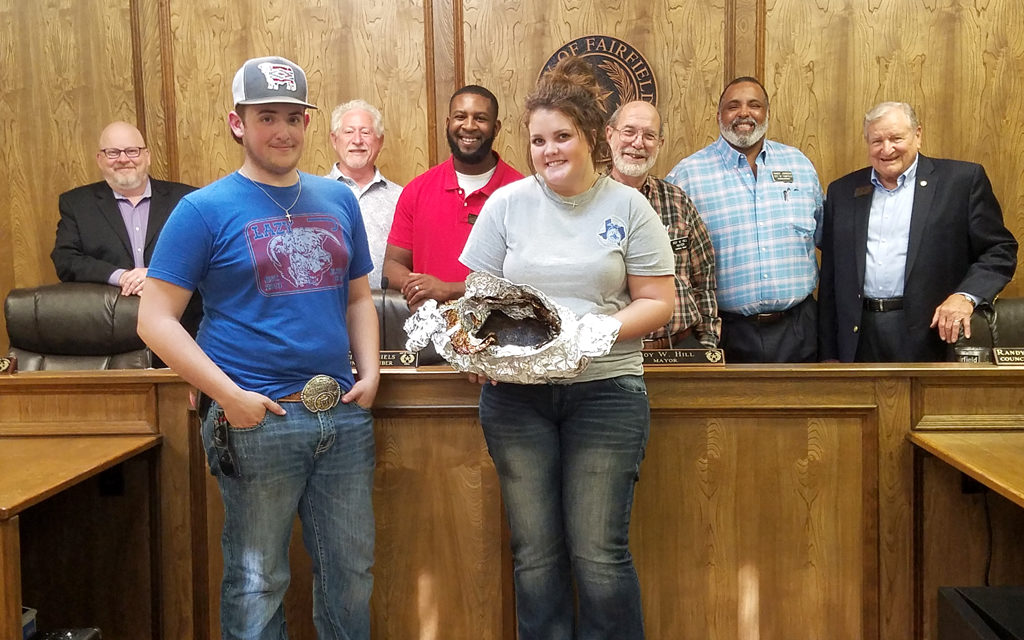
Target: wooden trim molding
<point x="167" y="90"/>
<point x="137" y="65"/>
<point x="744" y="44"/>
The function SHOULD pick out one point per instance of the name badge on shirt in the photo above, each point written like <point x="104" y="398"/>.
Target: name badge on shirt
<point x="782" y="176"/>
<point x="863" y="191"/>
<point x="471" y="218"/>
<point x="680" y="244"/>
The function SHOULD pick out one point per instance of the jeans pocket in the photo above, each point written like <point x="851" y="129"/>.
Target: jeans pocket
<point x="360" y="407"/>
<point x="255" y="427"/>
<point x="630" y="383"/>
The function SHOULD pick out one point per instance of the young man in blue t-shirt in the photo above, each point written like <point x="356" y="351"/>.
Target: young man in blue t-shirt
<point x="280" y="258"/>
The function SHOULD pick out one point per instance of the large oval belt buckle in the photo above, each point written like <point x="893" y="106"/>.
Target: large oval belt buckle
<point x="321" y="393"/>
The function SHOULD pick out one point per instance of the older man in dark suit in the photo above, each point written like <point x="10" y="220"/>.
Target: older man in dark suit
<point x="911" y="245"/>
<point x="107" y="230"/>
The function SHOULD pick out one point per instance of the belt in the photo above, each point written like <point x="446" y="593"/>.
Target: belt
<point x="668" y="342"/>
<point x="770" y="317"/>
<point x="881" y="305"/>
<point x="320" y="394"/>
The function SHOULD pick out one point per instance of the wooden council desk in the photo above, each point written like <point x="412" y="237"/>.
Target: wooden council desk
<point x="775" y="501"/>
<point x="965" y="536"/>
<point x="33" y="469"/>
<point x="993" y="458"/>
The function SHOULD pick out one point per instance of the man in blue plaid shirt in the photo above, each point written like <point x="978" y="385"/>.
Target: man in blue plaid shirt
<point x="762" y="204"/>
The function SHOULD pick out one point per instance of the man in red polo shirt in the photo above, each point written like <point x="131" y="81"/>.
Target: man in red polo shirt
<point x="437" y="209"/>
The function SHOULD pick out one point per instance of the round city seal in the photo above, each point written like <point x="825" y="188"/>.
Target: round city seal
<point x="621" y="70"/>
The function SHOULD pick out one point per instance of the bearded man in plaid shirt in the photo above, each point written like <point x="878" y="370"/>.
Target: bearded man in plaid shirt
<point x="635" y="135"/>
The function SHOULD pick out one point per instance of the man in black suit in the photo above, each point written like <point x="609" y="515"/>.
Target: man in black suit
<point x="107" y="230"/>
<point x="911" y="245"/>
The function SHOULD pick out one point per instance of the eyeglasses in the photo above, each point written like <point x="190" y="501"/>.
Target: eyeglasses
<point x="113" y="153"/>
<point x="629" y="134"/>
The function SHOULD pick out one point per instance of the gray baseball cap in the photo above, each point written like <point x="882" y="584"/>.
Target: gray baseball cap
<point x="270" y="79"/>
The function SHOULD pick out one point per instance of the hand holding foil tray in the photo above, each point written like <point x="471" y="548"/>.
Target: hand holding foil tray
<point x="510" y="332"/>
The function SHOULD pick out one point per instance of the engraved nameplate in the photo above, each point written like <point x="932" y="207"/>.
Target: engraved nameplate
<point x="683" y="357"/>
<point x="1008" y="355"/>
<point x="8" y="365"/>
<point x="394" y="360"/>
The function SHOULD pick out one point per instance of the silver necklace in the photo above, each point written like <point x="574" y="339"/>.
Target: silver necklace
<point x="287" y="211"/>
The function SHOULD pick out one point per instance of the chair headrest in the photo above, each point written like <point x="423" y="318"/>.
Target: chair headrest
<point x="72" y="318"/>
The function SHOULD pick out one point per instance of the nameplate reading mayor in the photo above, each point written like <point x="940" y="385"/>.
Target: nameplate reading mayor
<point x="683" y="357"/>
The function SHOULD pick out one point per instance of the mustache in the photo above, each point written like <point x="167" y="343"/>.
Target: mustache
<point x="739" y="121"/>
<point x="641" y="153"/>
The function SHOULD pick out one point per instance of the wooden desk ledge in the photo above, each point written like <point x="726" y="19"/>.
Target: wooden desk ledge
<point x="37" y="467"/>
<point x="993" y="458"/>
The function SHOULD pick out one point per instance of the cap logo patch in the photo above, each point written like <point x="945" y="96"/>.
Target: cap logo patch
<point x="278" y="75"/>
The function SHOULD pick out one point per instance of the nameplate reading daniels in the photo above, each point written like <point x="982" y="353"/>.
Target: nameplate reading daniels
<point x="394" y="360"/>
<point x="1008" y="355"/>
<point x="683" y="357"/>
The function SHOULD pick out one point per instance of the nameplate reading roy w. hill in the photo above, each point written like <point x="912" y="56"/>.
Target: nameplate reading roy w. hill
<point x="683" y="357"/>
<point x="1008" y="355"/>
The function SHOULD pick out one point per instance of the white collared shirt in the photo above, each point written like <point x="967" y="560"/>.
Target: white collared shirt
<point x="377" y="202"/>
<point x="889" y="235"/>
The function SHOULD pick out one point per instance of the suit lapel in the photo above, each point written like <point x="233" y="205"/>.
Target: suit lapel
<point x="862" y="195"/>
<point x="109" y="211"/>
<point x="159" y="211"/>
<point x="924" y="192"/>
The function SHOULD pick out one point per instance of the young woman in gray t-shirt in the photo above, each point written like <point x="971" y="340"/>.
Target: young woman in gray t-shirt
<point x="568" y="454"/>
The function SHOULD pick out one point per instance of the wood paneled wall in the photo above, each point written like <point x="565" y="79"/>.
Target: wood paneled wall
<point x="958" y="62"/>
<point x="509" y="41"/>
<point x="70" y="66"/>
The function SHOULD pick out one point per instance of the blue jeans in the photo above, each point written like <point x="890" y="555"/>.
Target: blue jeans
<point x="568" y="457"/>
<point x="320" y="465"/>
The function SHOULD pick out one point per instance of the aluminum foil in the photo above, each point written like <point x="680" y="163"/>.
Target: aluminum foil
<point x="510" y="332"/>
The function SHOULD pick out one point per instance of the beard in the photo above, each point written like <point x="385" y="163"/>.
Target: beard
<point x="128" y="181"/>
<point x="628" y="167"/>
<point x="356" y="160"/>
<point x="743" y="141"/>
<point x="476" y="157"/>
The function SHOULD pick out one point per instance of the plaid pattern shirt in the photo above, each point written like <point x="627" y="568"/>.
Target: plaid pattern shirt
<point x="764" y="228"/>
<point x="695" y="263"/>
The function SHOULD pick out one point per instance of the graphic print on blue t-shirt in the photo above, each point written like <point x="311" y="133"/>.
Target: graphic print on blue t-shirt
<point x="307" y="255"/>
<point x="614" y="231"/>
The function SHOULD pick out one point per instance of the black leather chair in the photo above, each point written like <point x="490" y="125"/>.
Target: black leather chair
<point x="392" y="312"/>
<point x="998" y="325"/>
<point x="74" y="325"/>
